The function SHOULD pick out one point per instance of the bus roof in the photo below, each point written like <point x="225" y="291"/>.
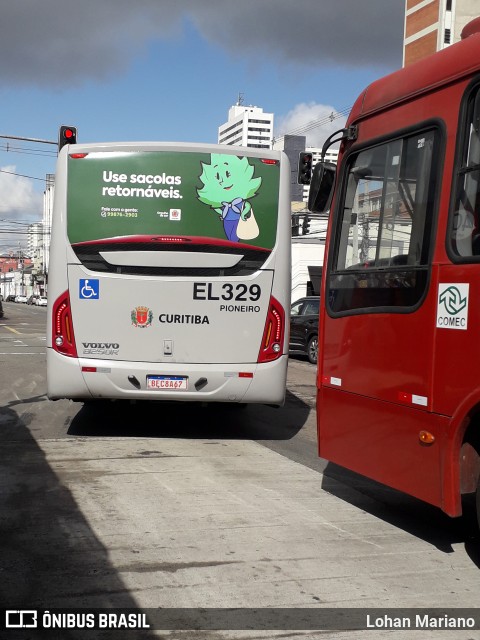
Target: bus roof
<point x="448" y="65"/>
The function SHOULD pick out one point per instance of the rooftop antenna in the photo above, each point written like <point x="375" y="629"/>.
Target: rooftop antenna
<point x="240" y="99"/>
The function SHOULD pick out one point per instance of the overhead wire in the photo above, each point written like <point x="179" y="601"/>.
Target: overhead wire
<point x="313" y="124"/>
<point x="21" y="175"/>
<point x="9" y="148"/>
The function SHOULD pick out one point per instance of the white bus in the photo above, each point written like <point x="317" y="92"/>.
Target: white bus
<point x="169" y="273"/>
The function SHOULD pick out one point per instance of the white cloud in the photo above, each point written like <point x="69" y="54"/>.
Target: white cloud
<point x="313" y="120"/>
<point x="20" y="205"/>
<point x="18" y="199"/>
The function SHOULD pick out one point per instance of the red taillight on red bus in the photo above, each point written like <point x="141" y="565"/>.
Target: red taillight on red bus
<point x="63" y="339"/>
<point x="273" y="335"/>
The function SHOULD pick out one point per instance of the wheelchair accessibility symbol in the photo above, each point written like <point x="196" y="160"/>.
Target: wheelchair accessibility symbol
<point x="89" y="289"/>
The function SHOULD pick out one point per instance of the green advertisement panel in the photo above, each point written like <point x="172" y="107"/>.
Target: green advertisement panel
<point x="175" y="193"/>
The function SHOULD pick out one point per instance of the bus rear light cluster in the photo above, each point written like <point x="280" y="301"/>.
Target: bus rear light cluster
<point x="273" y="335"/>
<point x="63" y="339"/>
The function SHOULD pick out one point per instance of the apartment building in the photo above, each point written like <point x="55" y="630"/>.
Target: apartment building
<point x="431" y="25"/>
<point x="247" y="126"/>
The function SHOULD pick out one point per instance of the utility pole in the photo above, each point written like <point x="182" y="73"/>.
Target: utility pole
<point x="22" y="270"/>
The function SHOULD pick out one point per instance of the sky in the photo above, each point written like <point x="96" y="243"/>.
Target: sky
<point x="169" y="70"/>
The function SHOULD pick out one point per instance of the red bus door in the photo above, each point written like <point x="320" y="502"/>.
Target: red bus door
<point x="378" y="332"/>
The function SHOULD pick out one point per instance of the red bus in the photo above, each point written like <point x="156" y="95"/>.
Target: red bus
<point x="398" y="384"/>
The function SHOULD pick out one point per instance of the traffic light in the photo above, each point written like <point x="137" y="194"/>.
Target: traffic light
<point x="67" y="135"/>
<point x="295" y="225"/>
<point x="305" y="162"/>
<point x="306" y="225"/>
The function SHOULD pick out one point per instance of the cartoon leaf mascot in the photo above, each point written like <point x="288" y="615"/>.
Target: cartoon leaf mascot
<point x="228" y="184"/>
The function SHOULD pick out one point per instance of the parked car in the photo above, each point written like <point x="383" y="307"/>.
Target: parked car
<point x="10" y="298"/>
<point x="1" y="309"/>
<point x="32" y="300"/>
<point x="22" y="299"/>
<point x="304" y="327"/>
<point x="41" y="301"/>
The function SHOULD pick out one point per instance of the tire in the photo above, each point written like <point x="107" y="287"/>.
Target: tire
<point x="312" y="350"/>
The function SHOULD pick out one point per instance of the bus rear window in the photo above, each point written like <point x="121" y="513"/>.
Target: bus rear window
<point x="226" y="202"/>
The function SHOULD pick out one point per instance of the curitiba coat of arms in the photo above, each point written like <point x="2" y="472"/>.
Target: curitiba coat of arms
<point x="142" y="317"/>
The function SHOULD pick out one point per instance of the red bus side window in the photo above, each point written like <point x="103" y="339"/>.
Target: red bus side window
<point x="465" y="227"/>
<point x="384" y="222"/>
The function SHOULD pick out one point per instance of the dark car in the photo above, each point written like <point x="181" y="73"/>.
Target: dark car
<point x="304" y="327"/>
<point x="1" y="309"/>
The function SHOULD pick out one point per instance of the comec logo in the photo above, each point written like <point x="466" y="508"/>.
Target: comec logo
<point x="452" y="300"/>
<point x="452" y="305"/>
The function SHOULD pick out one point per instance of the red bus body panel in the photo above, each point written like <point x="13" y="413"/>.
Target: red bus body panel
<point x="385" y="377"/>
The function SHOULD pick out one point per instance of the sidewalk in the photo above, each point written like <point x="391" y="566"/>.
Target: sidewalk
<point x="225" y="524"/>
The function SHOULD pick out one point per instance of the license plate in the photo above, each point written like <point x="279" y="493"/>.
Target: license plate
<point x="168" y="383"/>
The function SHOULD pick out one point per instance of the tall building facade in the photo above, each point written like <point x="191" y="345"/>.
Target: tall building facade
<point x="431" y="25"/>
<point x="35" y="239"/>
<point x="247" y="126"/>
<point x="39" y="235"/>
<point x="292" y="146"/>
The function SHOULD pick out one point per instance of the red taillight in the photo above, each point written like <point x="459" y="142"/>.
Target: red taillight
<point x="273" y="335"/>
<point x="63" y="339"/>
<point x="78" y="156"/>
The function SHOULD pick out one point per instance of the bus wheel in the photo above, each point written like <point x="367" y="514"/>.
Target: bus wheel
<point x="312" y="349"/>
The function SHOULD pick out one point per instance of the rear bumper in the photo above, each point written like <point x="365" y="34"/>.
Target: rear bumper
<point x="128" y="380"/>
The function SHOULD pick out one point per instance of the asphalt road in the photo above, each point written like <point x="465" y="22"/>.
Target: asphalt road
<point x="157" y="505"/>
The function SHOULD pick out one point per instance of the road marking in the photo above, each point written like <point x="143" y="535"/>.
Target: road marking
<point x="12" y="329"/>
<point x="22" y="353"/>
